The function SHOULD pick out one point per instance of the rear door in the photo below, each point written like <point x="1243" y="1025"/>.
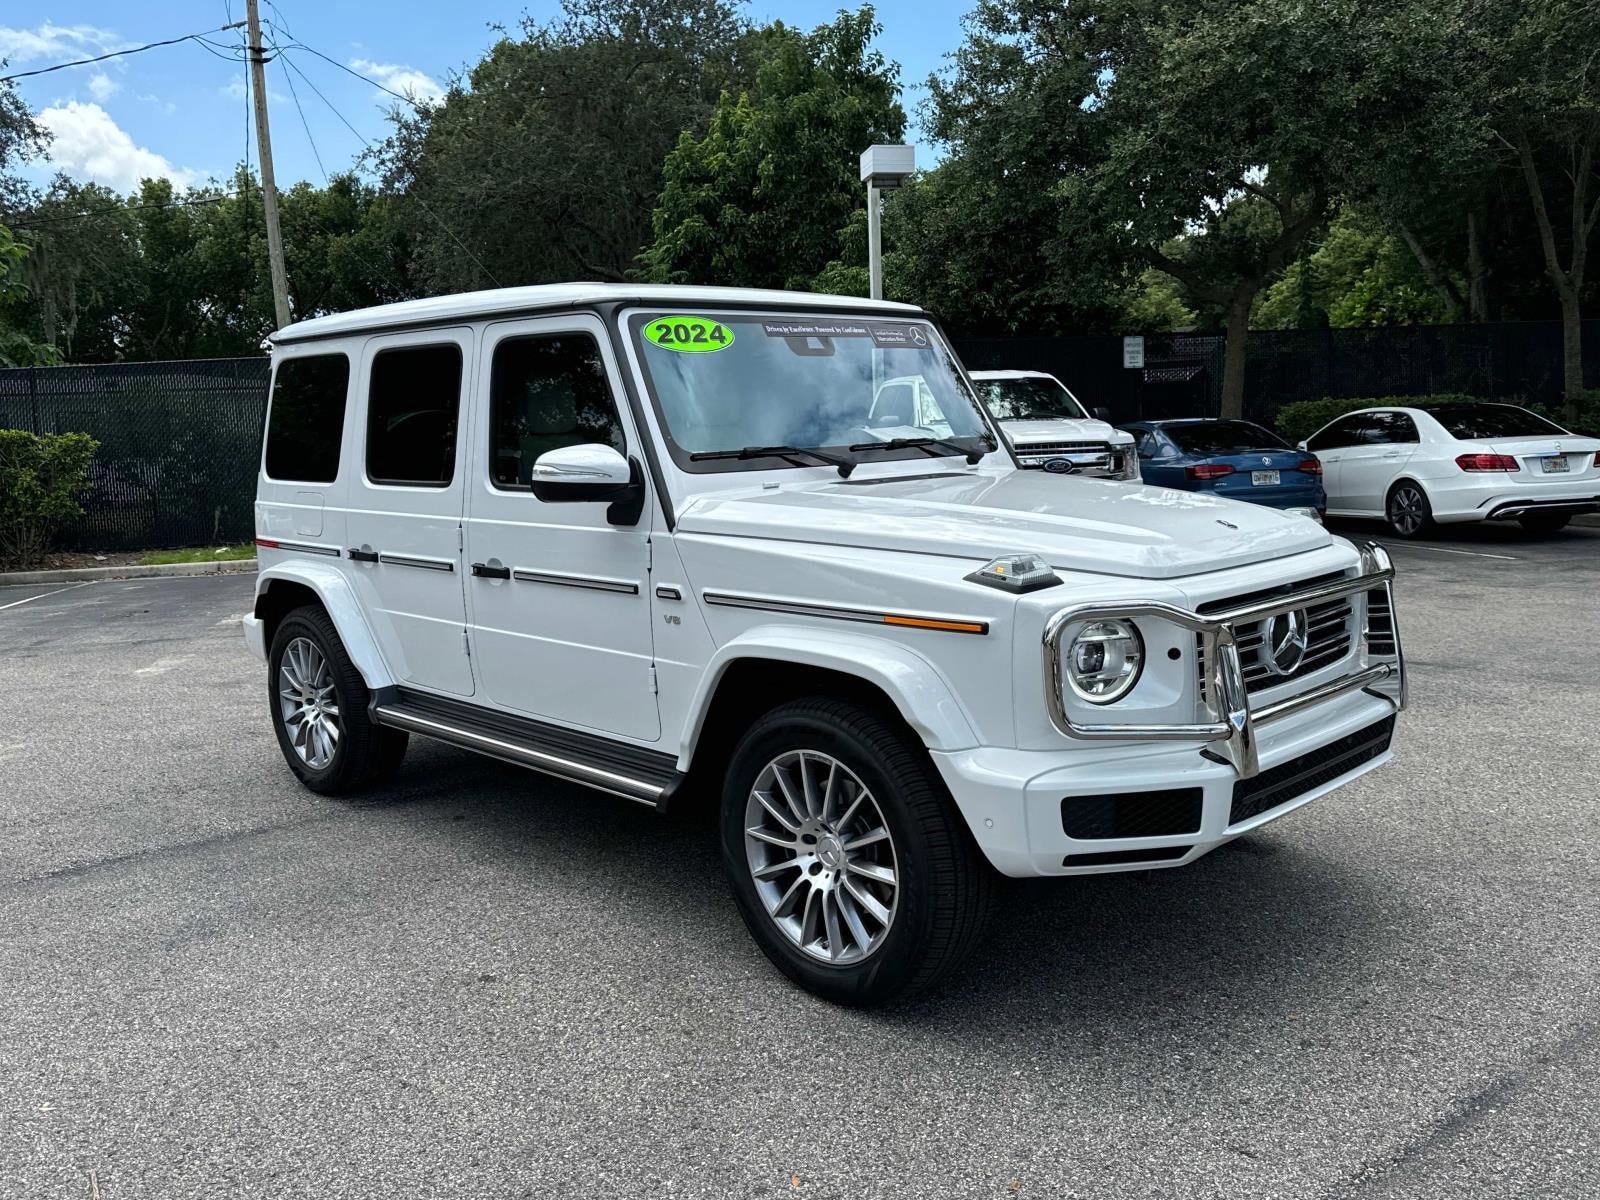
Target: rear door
<point x="560" y="602"/>
<point x="1388" y="440"/>
<point x="403" y="530"/>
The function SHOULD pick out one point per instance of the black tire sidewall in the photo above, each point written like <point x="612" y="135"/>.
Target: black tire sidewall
<point x="315" y="627"/>
<point x="1427" y="510"/>
<point x="893" y="964"/>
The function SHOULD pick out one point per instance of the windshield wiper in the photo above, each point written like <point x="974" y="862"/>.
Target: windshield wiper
<point x="791" y="454"/>
<point x="929" y="444"/>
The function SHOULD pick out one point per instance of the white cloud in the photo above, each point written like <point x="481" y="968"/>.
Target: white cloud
<point x="408" y="81"/>
<point x="102" y="87"/>
<point x="55" y="42"/>
<point x="88" y="144"/>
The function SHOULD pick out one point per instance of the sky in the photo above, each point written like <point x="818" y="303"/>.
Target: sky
<point x="179" y="111"/>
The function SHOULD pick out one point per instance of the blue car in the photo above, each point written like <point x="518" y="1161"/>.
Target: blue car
<point x="1236" y="459"/>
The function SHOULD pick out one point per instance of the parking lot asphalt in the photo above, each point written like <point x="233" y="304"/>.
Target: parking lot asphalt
<point x="482" y="983"/>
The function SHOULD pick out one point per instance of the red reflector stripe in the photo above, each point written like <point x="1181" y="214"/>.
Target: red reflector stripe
<point x="267" y="542"/>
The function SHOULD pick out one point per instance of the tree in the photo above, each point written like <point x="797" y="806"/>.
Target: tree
<point x="20" y="140"/>
<point x="764" y="198"/>
<point x="544" y="161"/>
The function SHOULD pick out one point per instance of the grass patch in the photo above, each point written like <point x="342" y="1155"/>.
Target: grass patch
<point x="196" y="554"/>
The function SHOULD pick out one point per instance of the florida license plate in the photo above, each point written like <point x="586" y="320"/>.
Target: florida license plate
<point x="1264" y="478"/>
<point x="1556" y="465"/>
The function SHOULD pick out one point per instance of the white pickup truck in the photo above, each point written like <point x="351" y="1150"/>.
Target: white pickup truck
<point x="1049" y="428"/>
<point x="654" y="541"/>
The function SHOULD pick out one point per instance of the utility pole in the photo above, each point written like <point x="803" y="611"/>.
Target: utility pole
<point x="269" y="186"/>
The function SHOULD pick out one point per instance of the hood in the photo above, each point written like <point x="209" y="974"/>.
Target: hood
<point x="1024" y="433"/>
<point x="1088" y="525"/>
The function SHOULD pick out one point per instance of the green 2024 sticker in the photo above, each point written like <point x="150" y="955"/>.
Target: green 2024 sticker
<point x="688" y="335"/>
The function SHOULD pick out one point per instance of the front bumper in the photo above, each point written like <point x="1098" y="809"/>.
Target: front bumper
<point x="1195" y="785"/>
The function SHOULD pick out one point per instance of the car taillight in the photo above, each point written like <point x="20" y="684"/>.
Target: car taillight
<point x="1597" y="458"/>
<point x="1311" y="466"/>
<point x="1207" y="471"/>
<point x="1486" y="462"/>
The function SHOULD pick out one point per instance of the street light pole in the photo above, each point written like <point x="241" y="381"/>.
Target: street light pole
<point x="882" y="167"/>
<point x="269" y="186"/>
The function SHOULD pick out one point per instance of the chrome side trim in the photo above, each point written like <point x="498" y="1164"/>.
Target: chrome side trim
<point x="300" y="547"/>
<point x="838" y="612"/>
<point x="1227" y="701"/>
<point x="415" y="560"/>
<point x="593" y="583"/>
<point x="550" y="764"/>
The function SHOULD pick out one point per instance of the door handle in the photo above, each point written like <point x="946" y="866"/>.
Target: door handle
<point x="363" y="555"/>
<point x="484" y="571"/>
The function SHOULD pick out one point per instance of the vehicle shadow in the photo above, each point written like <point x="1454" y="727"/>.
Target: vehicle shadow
<point x="1249" y="931"/>
<point x="1466" y="535"/>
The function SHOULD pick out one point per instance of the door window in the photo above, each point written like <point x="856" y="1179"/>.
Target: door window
<point x="306" y="420"/>
<point x="547" y="391"/>
<point x="1347" y="431"/>
<point x="412" y="403"/>
<point x="1387" y="428"/>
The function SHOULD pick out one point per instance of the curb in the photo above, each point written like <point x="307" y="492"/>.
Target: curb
<point x="231" y="566"/>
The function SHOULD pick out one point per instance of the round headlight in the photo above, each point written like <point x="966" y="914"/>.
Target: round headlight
<point x="1104" y="661"/>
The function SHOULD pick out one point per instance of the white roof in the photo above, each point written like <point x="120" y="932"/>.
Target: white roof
<point x="1012" y="375"/>
<point x="438" y="310"/>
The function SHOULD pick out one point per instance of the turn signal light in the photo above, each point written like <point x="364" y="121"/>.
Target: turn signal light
<point x="1207" y="471"/>
<point x="1311" y="466"/>
<point x="1486" y="462"/>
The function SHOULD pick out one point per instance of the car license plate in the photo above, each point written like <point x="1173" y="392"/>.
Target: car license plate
<point x="1264" y="478"/>
<point x="1556" y="465"/>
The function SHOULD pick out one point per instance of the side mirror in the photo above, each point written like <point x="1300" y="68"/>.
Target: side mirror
<point x="1102" y="414"/>
<point x="591" y="473"/>
<point x="1300" y="445"/>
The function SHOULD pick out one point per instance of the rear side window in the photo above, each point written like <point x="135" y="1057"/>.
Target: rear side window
<point x="1473" y="422"/>
<point x="306" y="421"/>
<point x="1223" y="437"/>
<point x="547" y="391"/>
<point x="412" y="404"/>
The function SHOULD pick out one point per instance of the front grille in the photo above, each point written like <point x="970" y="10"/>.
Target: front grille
<point x="1132" y="814"/>
<point x="1047" y="449"/>
<point x="1380" y="624"/>
<point x="1281" y="784"/>
<point x="1329" y="637"/>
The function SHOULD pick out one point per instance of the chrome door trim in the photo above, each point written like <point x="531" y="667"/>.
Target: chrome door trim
<point x="840" y="612"/>
<point x="416" y="560"/>
<point x="300" y="547"/>
<point x="593" y="583"/>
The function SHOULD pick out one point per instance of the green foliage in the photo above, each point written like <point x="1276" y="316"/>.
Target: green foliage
<point x="198" y="554"/>
<point x="41" y="478"/>
<point x="764" y="197"/>
<point x="1301" y="419"/>
<point x="1155" y="305"/>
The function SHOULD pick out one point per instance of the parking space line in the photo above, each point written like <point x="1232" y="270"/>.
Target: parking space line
<point x="45" y="595"/>
<point x="1447" y="550"/>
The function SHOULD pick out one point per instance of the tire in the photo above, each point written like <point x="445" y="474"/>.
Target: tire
<point x="942" y="888"/>
<point x="358" y="754"/>
<point x="1545" y="522"/>
<point x="1407" y="510"/>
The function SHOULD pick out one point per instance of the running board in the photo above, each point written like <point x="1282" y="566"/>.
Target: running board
<point x="647" y="776"/>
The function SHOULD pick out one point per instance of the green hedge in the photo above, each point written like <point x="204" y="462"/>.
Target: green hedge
<point x="41" y="479"/>
<point x="1301" y="419"/>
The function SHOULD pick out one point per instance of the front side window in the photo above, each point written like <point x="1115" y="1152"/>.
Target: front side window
<point x="306" y="418"/>
<point x="1029" y="399"/>
<point x="412" y="404"/>
<point x="854" y="388"/>
<point x="547" y="391"/>
<point x="1479" y="422"/>
<point x="1346" y="431"/>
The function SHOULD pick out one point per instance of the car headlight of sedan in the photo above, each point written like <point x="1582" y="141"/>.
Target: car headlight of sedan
<point x="1104" y="661"/>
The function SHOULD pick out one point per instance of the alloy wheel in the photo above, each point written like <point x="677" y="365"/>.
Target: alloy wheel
<point x="308" y="704"/>
<point x="821" y="856"/>
<point x="1408" y="511"/>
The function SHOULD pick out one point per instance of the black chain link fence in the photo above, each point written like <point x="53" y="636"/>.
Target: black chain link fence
<point x="179" y="446"/>
<point x="180" y="441"/>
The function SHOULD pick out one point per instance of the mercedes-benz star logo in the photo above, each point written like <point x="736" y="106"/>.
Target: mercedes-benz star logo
<point x="1284" y="640"/>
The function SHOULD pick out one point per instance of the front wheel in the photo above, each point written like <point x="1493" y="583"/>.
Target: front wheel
<point x="1408" y="511"/>
<point x="849" y="863"/>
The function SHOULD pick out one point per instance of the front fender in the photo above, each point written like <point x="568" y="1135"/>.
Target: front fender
<point x="333" y="590"/>
<point x="916" y="687"/>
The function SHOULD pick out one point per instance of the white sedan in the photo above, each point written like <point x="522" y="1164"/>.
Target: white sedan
<point x="1461" y="462"/>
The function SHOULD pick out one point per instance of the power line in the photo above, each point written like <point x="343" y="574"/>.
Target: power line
<point x="84" y="62"/>
<point x="298" y="45"/>
<point x="36" y="222"/>
<point x="306" y="125"/>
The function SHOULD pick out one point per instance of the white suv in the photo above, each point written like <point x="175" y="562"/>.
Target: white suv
<point x="1048" y="427"/>
<point x="650" y="540"/>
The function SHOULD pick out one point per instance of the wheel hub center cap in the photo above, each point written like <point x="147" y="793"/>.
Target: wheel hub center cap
<point x="830" y="853"/>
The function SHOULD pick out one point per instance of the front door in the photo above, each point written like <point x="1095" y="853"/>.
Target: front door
<point x="403" y="531"/>
<point x="1389" y="439"/>
<point x="559" y="597"/>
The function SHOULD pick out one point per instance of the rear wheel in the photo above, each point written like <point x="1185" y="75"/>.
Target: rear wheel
<point x="849" y="863"/>
<point x="1544" y="522"/>
<point x="1408" y="512"/>
<point x="319" y="709"/>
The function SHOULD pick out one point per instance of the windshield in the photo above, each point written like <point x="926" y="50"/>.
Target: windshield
<point x="1474" y="422"/>
<point x="1222" y="437"/>
<point x="1029" y="399"/>
<point x="855" y="388"/>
